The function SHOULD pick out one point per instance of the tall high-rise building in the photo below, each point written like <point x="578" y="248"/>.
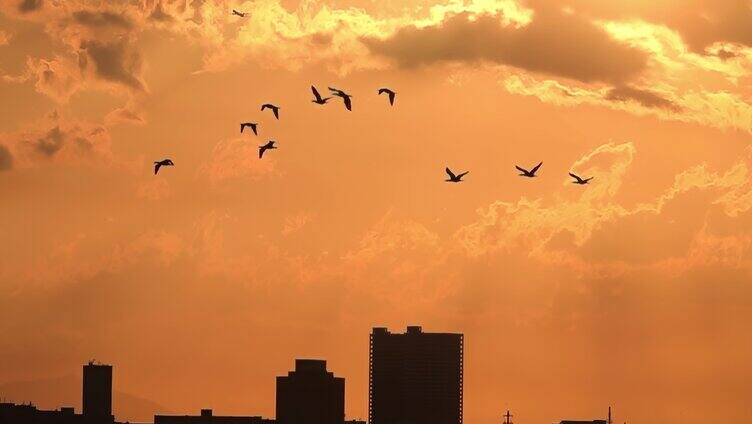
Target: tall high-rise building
<point x="310" y="395"/>
<point x="97" y="392"/>
<point x="415" y="377"/>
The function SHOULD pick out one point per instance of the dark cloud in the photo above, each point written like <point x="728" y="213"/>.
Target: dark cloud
<point x="49" y="143"/>
<point x="700" y="22"/>
<point x="160" y="15"/>
<point x="725" y="54"/>
<point x="6" y="159"/>
<point x="27" y="6"/>
<point x="729" y="21"/>
<point x="644" y="97"/>
<point x="73" y="139"/>
<point x="101" y="19"/>
<point x="553" y="43"/>
<point x="114" y="61"/>
<point x="323" y="39"/>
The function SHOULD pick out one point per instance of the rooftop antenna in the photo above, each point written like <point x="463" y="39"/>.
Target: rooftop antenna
<point x="508" y="418"/>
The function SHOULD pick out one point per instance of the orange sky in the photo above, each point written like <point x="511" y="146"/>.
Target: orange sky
<point x="203" y="283"/>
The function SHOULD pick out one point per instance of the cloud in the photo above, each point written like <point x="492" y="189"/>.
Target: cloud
<point x="154" y="189"/>
<point x="101" y="19"/>
<point x="732" y="189"/>
<point x="608" y="162"/>
<point x="582" y="46"/>
<point x="646" y="98"/>
<point x="236" y="158"/>
<point x="684" y="85"/>
<point x="59" y="77"/>
<point x="390" y="234"/>
<point x="117" y="65"/>
<point x="130" y="113"/>
<point x="95" y="49"/>
<point x="529" y="224"/>
<point x="49" y="143"/>
<point x="116" y="61"/>
<point x="103" y="43"/>
<point x="722" y="109"/>
<point x="276" y="35"/>
<point x="4" y="38"/>
<point x="294" y="223"/>
<point x="701" y="23"/>
<point x="671" y="56"/>
<point x="409" y="258"/>
<point x="159" y="14"/>
<point x="596" y="235"/>
<point x="6" y="158"/>
<point x="125" y="115"/>
<point x="716" y="21"/>
<point x="674" y="228"/>
<point x="167" y="246"/>
<point x="552" y="44"/>
<point x="57" y="139"/>
<point x="27" y="6"/>
<point x="726" y="251"/>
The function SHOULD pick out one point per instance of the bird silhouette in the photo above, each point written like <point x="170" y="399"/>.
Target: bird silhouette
<point x="274" y="109"/>
<point x="530" y="173"/>
<point x="318" y="99"/>
<point x="578" y="180"/>
<point x="265" y="147"/>
<point x="236" y="13"/>
<point x="390" y="93"/>
<point x="253" y="126"/>
<point x="161" y="163"/>
<point x="345" y="97"/>
<point x="454" y="178"/>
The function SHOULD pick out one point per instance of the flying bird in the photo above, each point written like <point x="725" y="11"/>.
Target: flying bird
<point x="318" y="99"/>
<point x="274" y="109"/>
<point x="265" y="147"/>
<point x="579" y="180"/>
<point x="454" y="178"/>
<point x="253" y="126"/>
<point x="236" y="13"/>
<point x="390" y="93"/>
<point x="161" y="163"/>
<point x="530" y="173"/>
<point x="345" y="97"/>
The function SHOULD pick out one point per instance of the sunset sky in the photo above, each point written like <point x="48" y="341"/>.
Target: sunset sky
<point x="204" y="282"/>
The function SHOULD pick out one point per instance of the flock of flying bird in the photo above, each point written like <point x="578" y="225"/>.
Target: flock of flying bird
<point x="347" y="101"/>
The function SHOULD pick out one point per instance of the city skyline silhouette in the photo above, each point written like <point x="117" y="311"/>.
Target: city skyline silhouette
<point x="415" y="377"/>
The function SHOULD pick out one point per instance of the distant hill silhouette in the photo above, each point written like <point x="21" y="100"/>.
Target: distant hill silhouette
<point x="52" y="393"/>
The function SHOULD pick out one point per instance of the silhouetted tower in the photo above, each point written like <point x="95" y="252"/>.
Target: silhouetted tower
<point x="310" y="395"/>
<point x="508" y="418"/>
<point x="415" y="377"/>
<point x="97" y="392"/>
